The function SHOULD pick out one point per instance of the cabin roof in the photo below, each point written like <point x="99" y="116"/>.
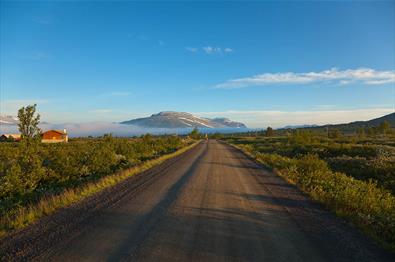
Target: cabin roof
<point x="56" y="131"/>
<point x="11" y="135"/>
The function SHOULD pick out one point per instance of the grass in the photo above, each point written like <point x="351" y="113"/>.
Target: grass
<point x="27" y="215"/>
<point x="364" y="203"/>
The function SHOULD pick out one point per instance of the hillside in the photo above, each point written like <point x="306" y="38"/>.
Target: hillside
<point x="352" y="126"/>
<point x="182" y="120"/>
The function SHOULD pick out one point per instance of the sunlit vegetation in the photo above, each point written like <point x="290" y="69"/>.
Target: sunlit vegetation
<point x="353" y="175"/>
<point x="37" y="178"/>
<point x="195" y="134"/>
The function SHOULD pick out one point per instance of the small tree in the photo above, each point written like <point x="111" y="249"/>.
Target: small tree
<point x="269" y="131"/>
<point x="10" y="139"/>
<point x="147" y="138"/>
<point x="300" y="136"/>
<point x="361" y="132"/>
<point x="335" y="133"/>
<point x="371" y="131"/>
<point x="384" y="127"/>
<point x="195" y="134"/>
<point x="28" y="122"/>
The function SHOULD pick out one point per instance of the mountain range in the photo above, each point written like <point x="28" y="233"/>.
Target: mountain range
<point x="390" y="118"/>
<point x="187" y="120"/>
<point x="352" y="126"/>
<point x="169" y="119"/>
<point x="298" y="126"/>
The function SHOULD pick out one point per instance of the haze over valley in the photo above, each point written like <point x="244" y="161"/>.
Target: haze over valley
<point x="197" y="130"/>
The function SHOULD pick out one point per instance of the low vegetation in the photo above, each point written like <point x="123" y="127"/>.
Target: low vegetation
<point x="36" y="178"/>
<point x="352" y="175"/>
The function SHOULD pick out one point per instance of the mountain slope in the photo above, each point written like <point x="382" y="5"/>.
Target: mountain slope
<point x="377" y="121"/>
<point x="352" y="126"/>
<point x="370" y="123"/>
<point x="182" y="120"/>
<point x="298" y="126"/>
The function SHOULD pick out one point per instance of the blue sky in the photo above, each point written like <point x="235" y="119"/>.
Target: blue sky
<point x="263" y="63"/>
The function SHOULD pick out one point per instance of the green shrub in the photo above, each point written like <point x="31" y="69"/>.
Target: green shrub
<point x="31" y="170"/>
<point x="372" y="159"/>
<point x="365" y="203"/>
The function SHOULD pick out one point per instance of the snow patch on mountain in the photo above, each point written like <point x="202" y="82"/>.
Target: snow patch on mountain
<point x="169" y="119"/>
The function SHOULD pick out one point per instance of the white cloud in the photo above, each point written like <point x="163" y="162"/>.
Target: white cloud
<point x="253" y="119"/>
<point x="228" y="50"/>
<point x="216" y="50"/>
<point x="276" y="119"/>
<point x="99" y="128"/>
<point x="191" y="49"/>
<point x="366" y="76"/>
<point x="93" y="114"/>
<point x="210" y="50"/>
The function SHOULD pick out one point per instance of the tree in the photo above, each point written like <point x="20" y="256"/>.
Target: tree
<point x="335" y="133"/>
<point x="195" y="134"/>
<point x="269" y="131"/>
<point x="361" y="132"/>
<point x="371" y="131"/>
<point x="147" y="138"/>
<point x="384" y="127"/>
<point x="28" y="122"/>
<point x="300" y="136"/>
<point x="10" y="139"/>
<point x="216" y="135"/>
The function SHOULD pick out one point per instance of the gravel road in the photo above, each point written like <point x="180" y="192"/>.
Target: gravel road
<point x="211" y="203"/>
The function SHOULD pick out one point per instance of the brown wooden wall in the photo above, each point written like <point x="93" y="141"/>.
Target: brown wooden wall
<point x="52" y="135"/>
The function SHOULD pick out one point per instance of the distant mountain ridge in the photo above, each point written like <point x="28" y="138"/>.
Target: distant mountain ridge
<point x="377" y="121"/>
<point x="390" y="118"/>
<point x="170" y="119"/>
<point x="352" y="126"/>
<point x="298" y="126"/>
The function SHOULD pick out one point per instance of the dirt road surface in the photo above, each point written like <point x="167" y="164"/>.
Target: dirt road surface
<point x="211" y="203"/>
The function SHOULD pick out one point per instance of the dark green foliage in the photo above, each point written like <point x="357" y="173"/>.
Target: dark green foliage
<point x="28" y="123"/>
<point x="361" y="132"/>
<point x="385" y="127"/>
<point x="371" y="131"/>
<point x="269" y="131"/>
<point x="195" y="134"/>
<point x="31" y="170"/>
<point x="364" y="203"/>
<point x="10" y="139"/>
<point x="216" y="136"/>
<point x="300" y="136"/>
<point x="334" y="133"/>
<point x="365" y="159"/>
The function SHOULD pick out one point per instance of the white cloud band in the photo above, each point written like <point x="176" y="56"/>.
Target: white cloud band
<point x="361" y="75"/>
<point x="210" y="50"/>
<point x="276" y="118"/>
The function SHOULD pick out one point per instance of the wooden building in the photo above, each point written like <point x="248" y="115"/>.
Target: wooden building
<point x="10" y="137"/>
<point x="54" y="136"/>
